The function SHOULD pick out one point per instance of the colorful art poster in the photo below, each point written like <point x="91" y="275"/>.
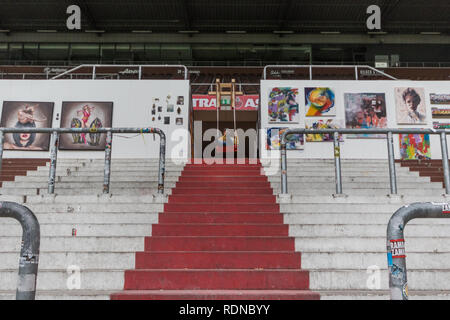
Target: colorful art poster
<point x="415" y="146"/>
<point x="410" y="105"/>
<point x="92" y="115"/>
<point x="320" y="102"/>
<point x="283" y="105"/>
<point x="294" y="141"/>
<point x="440" y="99"/>
<point x="440" y="113"/>
<point x="323" y="124"/>
<point x="27" y="115"/>
<point x="441" y="125"/>
<point x="365" y="111"/>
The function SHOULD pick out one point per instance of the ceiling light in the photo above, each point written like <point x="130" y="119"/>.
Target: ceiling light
<point x="189" y="31"/>
<point x="330" y="32"/>
<point x="95" y="31"/>
<point x="430" y="33"/>
<point x="284" y="32"/>
<point x="5" y="31"/>
<point x="142" y="31"/>
<point x="46" y="31"/>
<point x="377" y="32"/>
<point x="236" y="32"/>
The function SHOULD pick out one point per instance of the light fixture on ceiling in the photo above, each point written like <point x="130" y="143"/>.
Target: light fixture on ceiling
<point x="188" y="31"/>
<point x="5" y="31"/>
<point x="141" y="31"/>
<point x="377" y="32"/>
<point x="95" y="31"/>
<point x="46" y="31"/>
<point x="283" y="32"/>
<point x="330" y="32"/>
<point x="431" y="33"/>
<point x="236" y="32"/>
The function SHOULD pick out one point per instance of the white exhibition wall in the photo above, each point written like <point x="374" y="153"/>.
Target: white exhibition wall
<point x="133" y="101"/>
<point x="350" y="148"/>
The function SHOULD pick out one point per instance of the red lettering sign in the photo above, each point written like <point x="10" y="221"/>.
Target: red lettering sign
<point x="243" y="103"/>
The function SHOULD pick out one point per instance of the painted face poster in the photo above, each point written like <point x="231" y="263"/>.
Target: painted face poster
<point x="320" y="102"/>
<point x="365" y="111"/>
<point x="91" y="115"/>
<point x="19" y="114"/>
<point x="294" y="141"/>
<point x="415" y="146"/>
<point x="410" y="105"/>
<point x="283" y="105"/>
<point x="323" y="124"/>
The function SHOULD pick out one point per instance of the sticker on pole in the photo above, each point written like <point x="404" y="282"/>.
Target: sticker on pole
<point x="446" y="208"/>
<point x="398" y="249"/>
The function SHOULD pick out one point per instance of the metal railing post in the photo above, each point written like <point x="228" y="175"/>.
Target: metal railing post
<point x="53" y="160"/>
<point x="107" y="172"/>
<point x="445" y="165"/>
<point x="337" y="162"/>
<point x="391" y="155"/>
<point x="29" y="254"/>
<point x="396" y="253"/>
<point x="162" y="161"/>
<point x="2" y="139"/>
<point x="284" y="182"/>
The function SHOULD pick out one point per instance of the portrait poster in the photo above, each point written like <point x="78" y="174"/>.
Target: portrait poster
<point x="27" y="114"/>
<point x="365" y="111"/>
<point x="320" y="102"/>
<point x="410" y="105"/>
<point x="294" y="141"/>
<point x="91" y="115"/>
<point x="323" y="124"/>
<point x="283" y="105"/>
<point x="415" y="146"/>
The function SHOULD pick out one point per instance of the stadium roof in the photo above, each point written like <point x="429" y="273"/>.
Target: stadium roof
<point x="232" y="16"/>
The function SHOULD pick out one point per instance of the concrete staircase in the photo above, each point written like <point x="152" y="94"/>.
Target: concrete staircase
<point x="109" y="228"/>
<point x="342" y="237"/>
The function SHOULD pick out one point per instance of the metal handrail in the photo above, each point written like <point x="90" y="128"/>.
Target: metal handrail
<point x="94" y="66"/>
<point x="29" y="254"/>
<point x="337" y="152"/>
<point x="56" y="132"/>
<point x="310" y="67"/>
<point x="398" y="280"/>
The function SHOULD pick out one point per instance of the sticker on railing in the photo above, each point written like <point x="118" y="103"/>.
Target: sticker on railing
<point x="446" y="208"/>
<point x="398" y="249"/>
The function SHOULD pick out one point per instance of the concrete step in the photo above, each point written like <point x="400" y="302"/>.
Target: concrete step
<point x="361" y="200"/>
<point x="62" y="295"/>
<point x="381" y="295"/>
<point x="306" y="178"/>
<point x="352" y="218"/>
<point x="339" y="207"/>
<point x="84" y="230"/>
<point x="354" y="185"/>
<point x="80" y="244"/>
<point x="93" y="218"/>
<point x="91" y="279"/>
<point x="418" y="279"/>
<point x="84" y="260"/>
<point x="88" y="179"/>
<point x="94" y="207"/>
<point x="81" y="191"/>
<point x="363" y="260"/>
<point x="114" y="173"/>
<point x="105" y="199"/>
<point x="368" y="244"/>
<point x="90" y="185"/>
<point x="373" y="230"/>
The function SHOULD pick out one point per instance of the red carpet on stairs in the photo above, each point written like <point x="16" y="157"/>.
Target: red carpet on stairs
<point x="221" y="237"/>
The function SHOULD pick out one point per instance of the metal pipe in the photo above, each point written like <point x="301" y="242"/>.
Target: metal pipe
<point x="2" y="138"/>
<point x="337" y="162"/>
<point x="391" y="155"/>
<point x="396" y="253"/>
<point x="162" y="161"/>
<point x="29" y="253"/>
<point x="107" y="173"/>
<point x="284" y="183"/>
<point x="445" y="165"/>
<point x="53" y="160"/>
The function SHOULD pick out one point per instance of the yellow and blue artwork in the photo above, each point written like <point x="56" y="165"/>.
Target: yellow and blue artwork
<point x="283" y="105"/>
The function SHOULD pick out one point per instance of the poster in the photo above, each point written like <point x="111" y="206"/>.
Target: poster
<point x="365" y="111"/>
<point x="410" y="105"/>
<point x="440" y="108"/>
<point x="294" y="141"/>
<point x="283" y="105"/>
<point x="320" y="102"/>
<point x="442" y="99"/>
<point x="323" y="124"/>
<point x="19" y="114"/>
<point x="415" y="146"/>
<point x="441" y="125"/>
<point x="93" y="115"/>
